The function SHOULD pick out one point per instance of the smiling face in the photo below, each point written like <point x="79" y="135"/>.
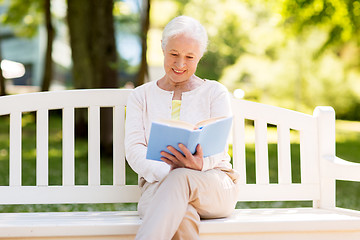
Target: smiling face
<point x="181" y="57"/>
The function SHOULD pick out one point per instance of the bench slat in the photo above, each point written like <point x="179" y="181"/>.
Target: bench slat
<point x="69" y="194"/>
<point x="94" y="146"/>
<point x="239" y="160"/>
<point x="308" y="152"/>
<point x="284" y="155"/>
<point x="42" y="147"/>
<point x="59" y="99"/>
<point x="68" y="145"/>
<point x="272" y="114"/>
<point x="278" y="192"/>
<point x="118" y="147"/>
<point x="261" y="152"/>
<point x="15" y="149"/>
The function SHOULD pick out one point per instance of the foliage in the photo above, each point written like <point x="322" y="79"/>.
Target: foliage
<point x="24" y="18"/>
<point x="339" y="18"/>
<point x="339" y="21"/>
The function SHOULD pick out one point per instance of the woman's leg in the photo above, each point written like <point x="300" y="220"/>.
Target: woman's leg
<point x="189" y="226"/>
<point x="211" y="193"/>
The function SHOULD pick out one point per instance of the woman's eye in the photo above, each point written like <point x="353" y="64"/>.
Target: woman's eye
<point x="190" y="57"/>
<point x="173" y="54"/>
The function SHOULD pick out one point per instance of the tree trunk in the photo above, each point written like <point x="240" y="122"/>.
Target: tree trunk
<point x="145" y="24"/>
<point x="48" y="68"/>
<point x="2" y="84"/>
<point x="2" y="79"/>
<point x="92" y="40"/>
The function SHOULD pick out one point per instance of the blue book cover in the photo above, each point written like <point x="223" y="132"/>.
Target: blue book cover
<point x="211" y="134"/>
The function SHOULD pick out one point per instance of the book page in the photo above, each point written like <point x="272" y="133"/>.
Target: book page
<point x="208" y="121"/>
<point x="178" y="123"/>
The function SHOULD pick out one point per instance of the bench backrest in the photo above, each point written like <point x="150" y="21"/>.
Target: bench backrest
<point x="68" y="192"/>
<point x="284" y="122"/>
<point x="263" y="190"/>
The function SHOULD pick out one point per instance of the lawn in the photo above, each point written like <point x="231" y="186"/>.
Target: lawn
<point x="348" y="147"/>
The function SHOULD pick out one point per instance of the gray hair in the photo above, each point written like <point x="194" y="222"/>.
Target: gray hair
<point x="185" y="25"/>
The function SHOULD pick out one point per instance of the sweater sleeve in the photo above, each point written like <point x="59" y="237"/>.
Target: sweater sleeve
<point x="136" y="144"/>
<point x="219" y="106"/>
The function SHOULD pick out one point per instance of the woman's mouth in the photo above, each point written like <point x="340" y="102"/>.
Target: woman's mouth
<point x="178" y="71"/>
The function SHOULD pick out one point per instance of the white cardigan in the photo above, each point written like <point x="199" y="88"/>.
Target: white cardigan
<point x="149" y="103"/>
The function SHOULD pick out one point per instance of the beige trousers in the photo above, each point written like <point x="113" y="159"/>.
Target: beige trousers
<point x="172" y="208"/>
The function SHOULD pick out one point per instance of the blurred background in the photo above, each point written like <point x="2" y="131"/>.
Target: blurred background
<point x="291" y="53"/>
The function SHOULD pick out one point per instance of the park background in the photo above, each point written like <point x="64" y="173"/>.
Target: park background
<point x="296" y="54"/>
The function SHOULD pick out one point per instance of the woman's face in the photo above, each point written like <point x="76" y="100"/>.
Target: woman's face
<point x="181" y="56"/>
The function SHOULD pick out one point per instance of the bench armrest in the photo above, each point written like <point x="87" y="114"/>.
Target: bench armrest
<point x="344" y="170"/>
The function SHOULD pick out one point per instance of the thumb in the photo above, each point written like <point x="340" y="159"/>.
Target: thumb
<point x="199" y="150"/>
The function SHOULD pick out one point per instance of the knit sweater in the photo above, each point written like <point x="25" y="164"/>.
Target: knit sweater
<point x="148" y="103"/>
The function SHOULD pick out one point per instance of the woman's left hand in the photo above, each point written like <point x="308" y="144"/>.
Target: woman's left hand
<point x="186" y="160"/>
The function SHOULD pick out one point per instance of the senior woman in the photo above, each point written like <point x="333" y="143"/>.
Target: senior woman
<point x="182" y="188"/>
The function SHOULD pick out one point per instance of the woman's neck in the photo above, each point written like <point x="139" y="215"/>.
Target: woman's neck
<point x="179" y="87"/>
<point x="185" y="86"/>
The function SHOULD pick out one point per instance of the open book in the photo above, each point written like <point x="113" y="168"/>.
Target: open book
<point x="211" y="134"/>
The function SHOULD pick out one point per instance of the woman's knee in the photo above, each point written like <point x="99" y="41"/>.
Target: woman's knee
<point x="180" y="178"/>
<point x="180" y="174"/>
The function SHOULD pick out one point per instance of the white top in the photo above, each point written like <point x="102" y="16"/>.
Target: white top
<point x="149" y="103"/>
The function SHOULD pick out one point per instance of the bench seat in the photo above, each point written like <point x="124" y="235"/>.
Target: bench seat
<point x="269" y="223"/>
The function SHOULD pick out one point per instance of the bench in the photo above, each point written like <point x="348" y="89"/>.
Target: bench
<point x="319" y="168"/>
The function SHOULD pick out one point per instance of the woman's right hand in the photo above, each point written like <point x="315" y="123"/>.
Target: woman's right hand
<point x="186" y="160"/>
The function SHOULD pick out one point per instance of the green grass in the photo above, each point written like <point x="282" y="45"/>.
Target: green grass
<point x="348" y="147"/>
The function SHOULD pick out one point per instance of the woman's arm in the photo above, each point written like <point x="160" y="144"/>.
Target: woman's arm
<point x="219" y="106"/>
<point x="136" y="144"/>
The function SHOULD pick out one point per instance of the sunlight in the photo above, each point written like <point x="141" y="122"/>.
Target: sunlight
<point x="12" y="69"/>
<point x="239" y="93"/>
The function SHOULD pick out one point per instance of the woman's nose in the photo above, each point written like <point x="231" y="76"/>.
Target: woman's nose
<point x="180" y="63"/>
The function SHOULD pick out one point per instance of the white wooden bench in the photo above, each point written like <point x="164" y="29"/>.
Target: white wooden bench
<point x="320" y="168"/>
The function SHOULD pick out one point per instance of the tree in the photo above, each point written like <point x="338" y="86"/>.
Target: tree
<point x="2" y="79"/>
<point x="339" y="18"/>
<point x="94" y="55"/>
<point x="92" y="41"/>
<point x="48" y="67"/>
<point x="145" y="24"/>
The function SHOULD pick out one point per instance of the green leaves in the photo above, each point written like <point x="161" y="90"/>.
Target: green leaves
<point x="340" y="18"/>
<point x="24" y="16"/>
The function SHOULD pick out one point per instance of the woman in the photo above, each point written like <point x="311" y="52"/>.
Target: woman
<point x="181" y="189"/>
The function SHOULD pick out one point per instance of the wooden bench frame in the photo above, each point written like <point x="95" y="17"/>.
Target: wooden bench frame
<point x="320" y="168"/>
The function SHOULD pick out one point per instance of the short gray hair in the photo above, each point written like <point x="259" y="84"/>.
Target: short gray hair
<point x="185" y="25"/>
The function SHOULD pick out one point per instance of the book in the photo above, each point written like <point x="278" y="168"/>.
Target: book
<point x="211" y="134"/>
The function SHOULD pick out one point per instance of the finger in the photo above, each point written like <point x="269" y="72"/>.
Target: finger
<point x="171" y="159"/>
<point x="199" y="151"/>
<point x="170" y="163"/>
<point x="166" y="160"/>
<point x="168" y="156"/>
<point x="179" y="156"/>
<point x="185" y="150"/>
